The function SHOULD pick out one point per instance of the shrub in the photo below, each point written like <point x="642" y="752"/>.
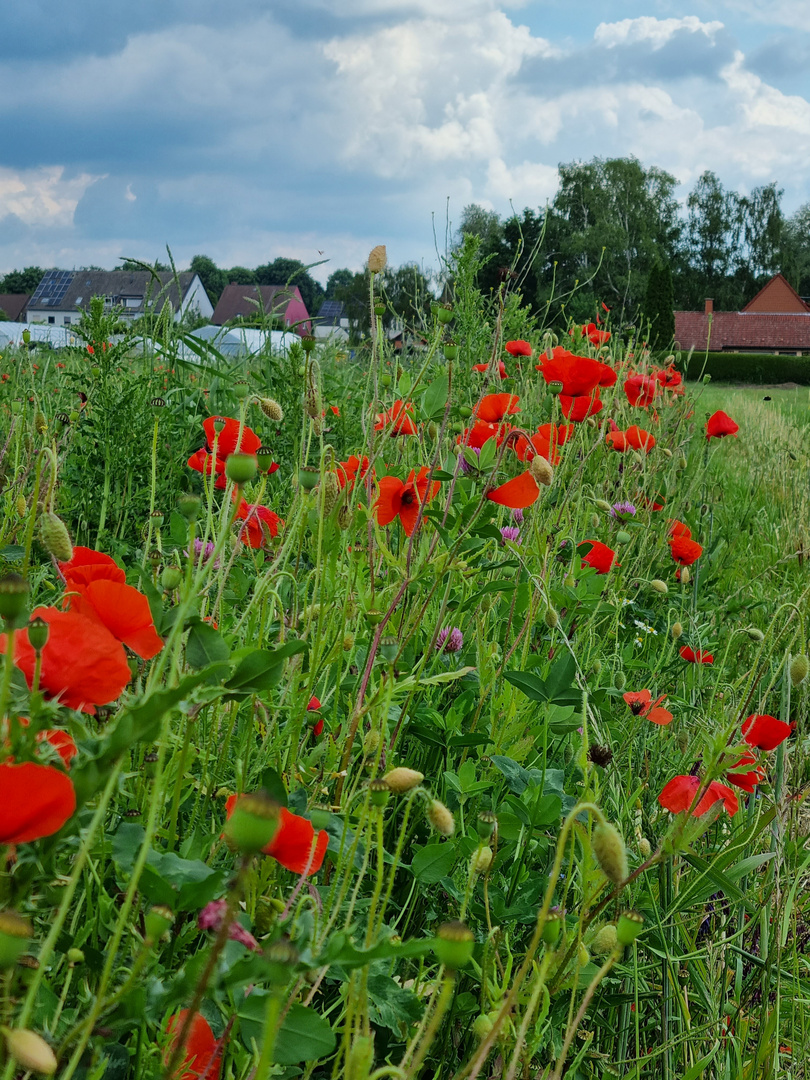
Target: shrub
<point x="748" y="367"/>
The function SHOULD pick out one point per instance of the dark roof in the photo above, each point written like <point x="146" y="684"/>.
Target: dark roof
<point x="249" y="301"/>
<point x="332" y="311"/>
<point x="744" y="331"/>
<point x="14" y="304"/>
<point x="67" y="290"/>
<point x="777" y="297"/>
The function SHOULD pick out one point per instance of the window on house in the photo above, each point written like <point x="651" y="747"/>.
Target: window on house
<point x="68" y="320"/>
<point x="51" y="318"/>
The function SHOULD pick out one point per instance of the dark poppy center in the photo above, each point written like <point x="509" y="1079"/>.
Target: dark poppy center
<point x="407" y="498"/>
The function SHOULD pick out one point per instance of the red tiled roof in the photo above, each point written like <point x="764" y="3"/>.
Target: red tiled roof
<point x="14" y="304"/>
<point x="778" y="297"/>
<point x="745" y="331"/>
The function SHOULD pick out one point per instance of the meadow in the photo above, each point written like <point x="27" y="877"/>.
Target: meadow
<point x="437" y="715"/>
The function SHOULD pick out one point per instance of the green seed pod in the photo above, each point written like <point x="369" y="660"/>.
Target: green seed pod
<point x="445" y="314"/>
<point x="619" y="680"/>
<point x="450" y="350"/>
<point x="253" y="823"/>
<point x="555" y="387"/>
<point x="171" y="577"/>
<point x="189" y="506"/>
<point x="454" y="945"/>
<point x="609" y="851"/>
<point x="30" y="1051"/>
<point x="55" y="537"/>
<point x="38" y="633"/>
<point x="799" y="668"/>
<point x="552" y="926"/>
<point x="264" y="458"/>
<point x="389" y="647"/>
<point x="241" y="468"/>
<point x="605" y="941"/>
<point x="629" y="926"/>
<point x="308" y="477"/>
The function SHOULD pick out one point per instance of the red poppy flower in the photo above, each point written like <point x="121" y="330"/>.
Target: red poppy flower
<point x="228" y="440"/>
<point x="579" y="375"/>
<point x="679" y="794"/>
<point x="202" y="1054"/>
<point x="203" y="462"/>
<point x="765" y="732"/>
<point x="260" y="524"/>
<point x="580" y="408"/>
<point x="82" y="663"/>
<point x="640" y="439"/>
<point x="485" y="367"/>
<point x="641" y="704"/>
<point x="349" y="470"/>
<point x="669" y="378"/>
<point x="480" y="432"/>
<point x="399" y="418"/>
<point x="617" y="440"/>
<point x="640" y="390"/>
<point x="293" y="843"/>
<point x="685" y="551"/>
<point x="656" y="503"/>
<point x="517" y="493"/>
<point x="719" y="425"/>
<point x="600" y="557"/>
<point x="699" y="656"/>
<point x="594" y="334"/>
<point x="37" y="801"/>
<point x="61" y="741"/>
<point x="313" y="706"/>
<point x="494" y="407"/>
<point x="748" y="779"/>
<point x="402" y="500"/>
<point x="123" y="610"/>
<point x="518" y="347"/>
<point x="545" y="442"/>
<point x="677" y="529"/>
<point x="88" y="565"/>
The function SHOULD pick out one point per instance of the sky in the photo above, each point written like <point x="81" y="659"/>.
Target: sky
<point x="316" y="129"/>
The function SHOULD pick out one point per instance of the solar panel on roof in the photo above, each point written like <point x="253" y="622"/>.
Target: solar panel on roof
<point x="51" y="290"/>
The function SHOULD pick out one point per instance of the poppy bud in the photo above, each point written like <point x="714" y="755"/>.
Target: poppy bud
<point x="483" y="1025"/>
<point x="15" y="932"/>
<point x="568" y="753"/>
<point x="41" y="424"/>
<point x="55" y="537"/>
<point x="595" y="519"/>
<point x="605" y="941"/>
<point x="541" y="470"/>
<point x="686" y="577"/>
<point x="596" y="667"/>
<point x="21" y="505"/>
<point x="583" y="956"/>
<point x="619" y="680"/>
<point x="454" y="945"/>
<point x="385" y="380"/>
<point x="30" y="1051"/>
<point x="659" y="586"/>
<point x="308" y="477"/>
<point x="348" y="641"/>
<point x="312" y="403"/>
<point x="551" y="618"/>
<point x="241" y="468"/>
<point x="481" y="860"/>
<point x="403" y="779"/>
<point x="628" y="927"/>
<point x="75" y="956"/>
<point x="464" y="412"/>
<point x="156" y="922"/>
<point x="189" y="506"/>
<point x="799" y="668"/>
<point x="171" y="577"/>
<point x="666" y="451"/>
<point x="371" y="744"/>
<point x="38" y="631"/>
<point x="432" y="430"/>
<point x="485" y="825"/>
<point x="677" y="630"/>
<point x="331" y="492"/>
<point x="603" y="504"/>
<point x="440" y="818"/>
<point x="552" y="926"/>
<point x="345" y="517"/>
<point x="644" y="848"/>
<point x="379" y="792"/>
<point x="754" y="633"/>
<point x="377" y="259"/>
<point x="253" y="823"/>
<point x="13" y="596"/>
<point x="608" y="848"/>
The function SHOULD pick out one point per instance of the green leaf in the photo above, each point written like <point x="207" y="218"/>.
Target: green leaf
<point x="205" y="645"/>
<point x="340" y="950"/>
<point x="391" y="1005"/>
<point x="432" y="863"/>
<point x="531" y="685"/>
<point x="262" y="669"/>
<point x="304" y="1036"/>
<point x="487" y="456"/>
<point x="435" y="398"/>
<point x="696" y="1071"/>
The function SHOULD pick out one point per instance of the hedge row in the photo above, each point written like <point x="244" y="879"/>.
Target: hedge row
<point x="747" y="367"/>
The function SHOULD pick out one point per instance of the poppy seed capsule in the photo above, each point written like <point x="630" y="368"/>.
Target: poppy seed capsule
<point x="403" y="779"/>
<point x="38" y="632"/>
<point x="454" y="945"/>
<point x="485" y="825"/>
<point x="609" y="850"/>
<point x="241" y="468"/>
<point x="629" y="926"/>
<point x="156" y="922"/>
<point x="379" y="792"/>
<point x="799" y="668"/>
<point x="264" y="458"/>
<point x="541" y="470"/>
<point x="440" y="818"/>
<point x="271" y="409"/>
<point x="30" y="1051"/>
<point x="189" y="506"/>
<point x="171" y="577"/>
<point x="55" y="537"/>
<point x="253" y="823"/>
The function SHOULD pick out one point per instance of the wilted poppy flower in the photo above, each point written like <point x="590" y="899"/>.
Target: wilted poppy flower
<point x="579" y="375"/>
<point x="261" y="523"/>
<point x="399" y="418"/>
<point x="640" y="390"/>
<point x="685" y="551"/>
<point x="765" y="732"/>
<point x="678" y="529"/>
<point x="517" y="493"/>
<point x="229" y="440"/>
<point x="402" y="500"/>
<point x="348" y="471"/>
<point x="202" y="1054"/>
<point x="122" y="609"/>
<point x="504" y="374"/>
<point x="748" y="779"/>
<point x="699" y="656"/>
<point x="82" y="663"/>
<point x="600" y="557"/>
<point x="641" y="704"/>
<point x="37" y="801"/>
<point x="88" y="565"/>
<point x="679" y="794"/>
<point x="719" y="425"/>
<point x="293" y="842"/>
<point x="580" y="408"/>
<point x="494" y="407"/>
<point x="481" y="432"/>
<point x="519" y="347"/>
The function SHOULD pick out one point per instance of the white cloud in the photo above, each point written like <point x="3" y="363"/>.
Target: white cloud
<point x="42" y="196"/>
<point x="764" y="106"/>
<point x="793" y="13"/>
<point x="657" y="32"/>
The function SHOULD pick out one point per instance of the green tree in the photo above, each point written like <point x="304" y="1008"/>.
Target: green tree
<point x="337" y="280"/>
<point x="493" y="254"/>
<point x="659" y="305"/>
<point x="240" y="275"/>
<point x="796" y="250"/>
<point x="714" y="232"/>
<point x="212" y="278"/>
<point x="136" y="264"/>
<point x="292" y="272"/>
<point x="21" y="281"/>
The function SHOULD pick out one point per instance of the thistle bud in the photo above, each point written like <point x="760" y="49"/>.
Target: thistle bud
<point x="403" y="779"/>
<point x="253" y="823"/>
<point x="15" y="933"/>
<point x="605" y="941"/>
<point x="552" y="926"/>
<point x="481" y="860"/>
<point x="541" y="470"/>
<point x="55" y="537"/>
<point x="30" y="1051"/>
<point x="799" y="668"/>
<point x="440" y="818"/>
<point x="454" y="945"/>
<point x="629" y="926"/>
<point x="377" y="259"/>
<point x="609" y="851"/>
<point x="659" y="586"/>
<point x="686" y="577"/>
<point x="677" y="630"/>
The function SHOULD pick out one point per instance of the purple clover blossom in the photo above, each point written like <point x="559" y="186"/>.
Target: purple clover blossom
<point x="450" y="640"/>
<point x="621" y="511"/>
<point x="210" y="918"/>
<point x="517" y="516"/>
<point x="465" y="467"/>
<point x="203" y="552"/>
<point x="511" y="532"/>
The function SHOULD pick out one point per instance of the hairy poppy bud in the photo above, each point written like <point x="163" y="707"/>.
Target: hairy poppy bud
<point x="659" y="586"/>
<point x="644" y="848"/>
<point x="541" y="470"/>
<point x="629" y="926"/>
<point x="481" y="860"/>
<point x="595" y="519"/>
<point x="686" y="577"/>
<point x="602" y="504"/>
<point x="38" y="633"/>
<point x="677" y="630"/>
<point x="440" y="818"/>
<point x="13" y="596"/>
<point x="551" y="618"/>
<point x="403" y="779"/>
<point x="609" y="850"/>
<point x="754" y="633"/>
<point x="799" y="668"/>
<point x="40" y="423"/>
<point x="623" y="537"/>
<point x="377" y="259"/>
<point x="15" y="932"/>
<point x="619" y="680"/>
<point x="483" y="1025"/>
<point x="454" y="945"/>
<point x="55" y="537"/>
<point x="596" y="667"/>
<point x="379" y="792"/>
<point x="605" y="941"/>
<point x="21" y="505"/>
<point x="271" y="409"/>
<point x="30" y="1051"/>
<point x="330" y="492"/>
<point x="666" y="451"/>
<point x="371" y="744"/>
<point x="253" y="823"/>
<point x="360" y="1059"/>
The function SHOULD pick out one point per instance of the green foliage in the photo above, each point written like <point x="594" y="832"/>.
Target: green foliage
<point x="21" y="281"/>
<point x="749" y="367"/>
<point x="659" y="306"/>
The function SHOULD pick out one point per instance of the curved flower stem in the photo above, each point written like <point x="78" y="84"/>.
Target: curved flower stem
<point x="583" y="1008"/>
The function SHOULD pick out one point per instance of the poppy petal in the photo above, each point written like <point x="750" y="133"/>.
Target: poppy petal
<point x="37" y="801"/>
<point x="517" y="493"/>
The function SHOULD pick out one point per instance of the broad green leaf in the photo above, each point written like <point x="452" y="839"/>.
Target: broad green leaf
<point x="205" y="645"/>
<point x="303" y="1036"/>
<point x="261" y="669"/>
<point x="435" y="398"/>
<point x="432" y="863"/>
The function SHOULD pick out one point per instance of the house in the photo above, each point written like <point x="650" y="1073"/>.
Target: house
<point x="14" y="305"/>
<point x="62" y="295"/>
<point x="251" y="302"/>
<point x="332" y="322"/>
<point x="777" y="320"/>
